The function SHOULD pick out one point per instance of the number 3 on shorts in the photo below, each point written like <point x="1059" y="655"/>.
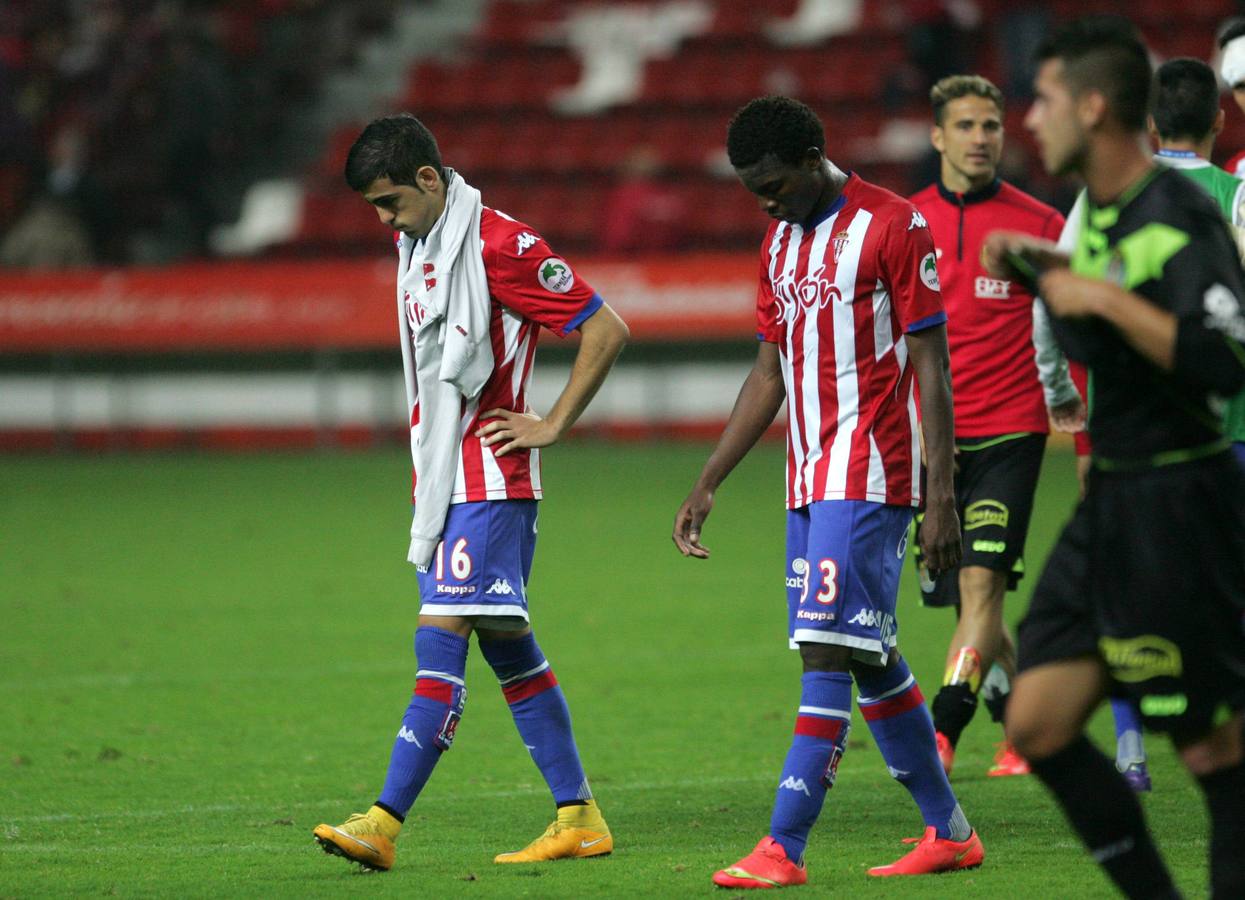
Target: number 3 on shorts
<point x="460" y="561"/>
<point x="829" y="585"/>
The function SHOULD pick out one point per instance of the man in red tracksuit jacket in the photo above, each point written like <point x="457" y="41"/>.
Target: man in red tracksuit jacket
<point x="1001" y="417"/>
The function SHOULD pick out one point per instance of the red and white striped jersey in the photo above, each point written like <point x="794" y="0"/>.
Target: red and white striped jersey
<point x="837" y="295"/>
<point x="530" y="287"/>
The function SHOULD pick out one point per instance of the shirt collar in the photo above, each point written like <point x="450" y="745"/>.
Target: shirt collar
<point x="978" y="196"/>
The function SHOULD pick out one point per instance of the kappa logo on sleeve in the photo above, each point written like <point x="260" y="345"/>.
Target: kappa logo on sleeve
<point x="525" y="241"/>
<point x="918" y="221"/>
<point x="555" y="275"/>
<point x="929" y="273"/>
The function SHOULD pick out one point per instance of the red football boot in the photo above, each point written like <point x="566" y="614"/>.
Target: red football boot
<point x="946" y="752"/>
<point x="765" y="867"/>
<point x="933" y="854"/>
<point x="1008" y="762"/>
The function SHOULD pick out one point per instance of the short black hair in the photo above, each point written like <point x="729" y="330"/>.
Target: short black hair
<point x="778" y="125"/>
<point x="1230" y="30"/>
<point x="1105" y="53"/>
<point x="1185" y="99"/>
<point x="393" y="147"/>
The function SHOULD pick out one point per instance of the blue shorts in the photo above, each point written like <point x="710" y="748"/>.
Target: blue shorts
<point x="843" y="563"/>
<point x="482" y="564"/>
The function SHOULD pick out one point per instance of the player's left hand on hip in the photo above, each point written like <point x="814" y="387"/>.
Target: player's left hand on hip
<point x="515" y="431"/>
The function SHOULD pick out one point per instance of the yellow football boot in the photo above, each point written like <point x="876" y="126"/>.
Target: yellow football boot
<point x="579" y="831"/>
<point x="365" y="838"/>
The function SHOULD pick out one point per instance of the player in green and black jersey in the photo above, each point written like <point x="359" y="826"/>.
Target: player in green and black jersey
<point x="1144" y="594"/>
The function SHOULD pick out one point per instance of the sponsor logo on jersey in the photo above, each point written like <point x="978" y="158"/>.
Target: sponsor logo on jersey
<point x="840" y="241"/>
<point x="525" y="240"/>
<point x="1141" y="658"/>
<point x="929" y="272"/>
<point x="992" y="288"/>
<point x="555" y="275"/>
<point x="918" y="221"/>
<point x="429" y="281"/>
<point x="791" y="783"/>
<point x="983" y="513"/>
<point x="500" y="586"/>
<point x="1223" y="311"/>
<point x="810" y="291"/>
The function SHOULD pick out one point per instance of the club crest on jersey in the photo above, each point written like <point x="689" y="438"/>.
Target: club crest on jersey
<point x="929" y="273"/>
<point x="555" y="275"/>
<point x="525" y="240"/>
<point x="810" y="291"/>
<point x="840" y="242"/>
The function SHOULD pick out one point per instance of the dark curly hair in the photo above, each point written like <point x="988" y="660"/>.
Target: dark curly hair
<point x="778" y="125"/>
<point x="393" y="147"/>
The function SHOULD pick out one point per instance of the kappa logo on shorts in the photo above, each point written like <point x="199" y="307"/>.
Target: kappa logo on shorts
<point x="500" y="586"/>
<point x="1141" y="658"/>
<point x="983" y="513"/>
<point x="791" y="783"/>
<point x="870" y="618"/>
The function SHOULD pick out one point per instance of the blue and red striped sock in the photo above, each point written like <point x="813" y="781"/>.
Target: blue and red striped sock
<point x="821" y="728"/>
<point x="895" y="712"/>
<point x="431" y="719"/>
<point x="540" y="713"/>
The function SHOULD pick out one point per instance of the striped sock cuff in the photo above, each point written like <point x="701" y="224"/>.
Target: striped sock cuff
<point x="895" y="702"/>
<point x="525" y="686"/>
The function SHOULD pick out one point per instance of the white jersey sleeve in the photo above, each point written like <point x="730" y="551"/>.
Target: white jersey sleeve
<point x="1052" y="365"/>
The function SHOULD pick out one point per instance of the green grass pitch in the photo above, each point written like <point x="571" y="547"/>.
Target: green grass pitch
<point x="205" y="656"/>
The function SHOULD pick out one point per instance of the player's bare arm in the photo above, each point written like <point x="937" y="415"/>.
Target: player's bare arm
<point x="1040" y="253"/>
<point x="1150" y="331"/>
<point x="758" y="402"/>
<point x="940" y="529"/>
<point x="603" y="336"/>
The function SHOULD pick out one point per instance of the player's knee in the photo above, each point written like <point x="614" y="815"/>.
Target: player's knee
<point x="1223" y="748"/>
<point x="981" y="590"/>
<point x="1035" y="736"/>
<point x="825" y="657"/>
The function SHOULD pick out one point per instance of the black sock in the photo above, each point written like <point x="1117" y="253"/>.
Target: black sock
<point x="996" y="704"/>
<point x="1105" y="813"/>
<point x="1225" y="797"/>
<point x="953" y="709"/>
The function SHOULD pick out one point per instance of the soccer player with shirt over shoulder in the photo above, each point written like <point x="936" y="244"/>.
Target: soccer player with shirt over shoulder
<point x="1000" y="412"/>
<point x="474" y="288"/>
<point x="850" y="320"/>
<point x="1143" y="595"/>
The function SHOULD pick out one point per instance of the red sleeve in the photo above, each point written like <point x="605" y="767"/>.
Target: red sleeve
<point x="1052" y="227"/>
<point x="524" y="275"/>
<point x="1080" y="377"/>
<point x="767" y="306"/>
<point x="911" y="271"/>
